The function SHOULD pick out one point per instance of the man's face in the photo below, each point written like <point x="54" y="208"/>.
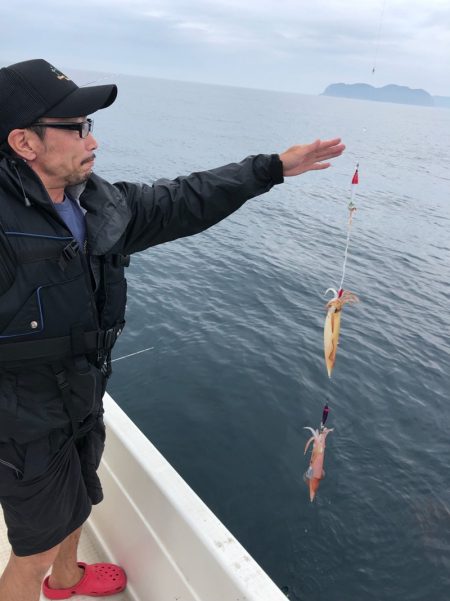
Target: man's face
<point x="63" y="158"/>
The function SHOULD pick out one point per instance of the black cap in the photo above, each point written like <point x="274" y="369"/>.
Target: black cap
<point x="34" y="89"/>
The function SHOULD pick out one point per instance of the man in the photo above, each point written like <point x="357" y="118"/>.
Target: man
<point x="65" y="238"/>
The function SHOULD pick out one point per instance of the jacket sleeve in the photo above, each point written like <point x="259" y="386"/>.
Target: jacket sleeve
<point x="187" y="205"/>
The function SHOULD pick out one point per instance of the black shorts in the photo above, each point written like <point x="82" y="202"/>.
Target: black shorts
<point x="48" y="486"/>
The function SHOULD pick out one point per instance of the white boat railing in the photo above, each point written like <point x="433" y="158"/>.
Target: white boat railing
<point x="154" y="525"/>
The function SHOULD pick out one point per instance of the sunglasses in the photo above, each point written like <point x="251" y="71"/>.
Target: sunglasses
<point x="84" y="128"/>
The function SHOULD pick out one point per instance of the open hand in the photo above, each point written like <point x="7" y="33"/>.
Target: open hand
<point x="310" y="157"/>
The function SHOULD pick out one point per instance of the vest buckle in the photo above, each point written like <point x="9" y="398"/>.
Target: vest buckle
<point x="68" y="253"/>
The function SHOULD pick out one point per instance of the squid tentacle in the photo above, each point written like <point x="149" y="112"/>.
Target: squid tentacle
<point x="308" y="443"/>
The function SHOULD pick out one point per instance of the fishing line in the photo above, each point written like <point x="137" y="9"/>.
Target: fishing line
<point x="109" y="76"/>
<point x="336" y="304"/>
<point x="378" y="37"/>
<point x="352" y="206"/>
<point x="352" y="209"/>
<point x="133" y="354"/>
<point x="355" y="179"/>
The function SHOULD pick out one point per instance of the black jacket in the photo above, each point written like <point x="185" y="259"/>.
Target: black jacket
<point x="61" y="307"/>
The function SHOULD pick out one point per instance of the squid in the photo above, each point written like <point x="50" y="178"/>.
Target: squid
<point x="315" y="472"/>
<point x="333" y="324"/>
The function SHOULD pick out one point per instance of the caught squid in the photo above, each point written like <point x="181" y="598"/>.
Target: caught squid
<point x="315" y="472"/>
<point x="341" y="297"/>
<point x="333" y="324"/>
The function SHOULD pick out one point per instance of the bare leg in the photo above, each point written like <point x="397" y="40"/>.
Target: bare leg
<point x="65" y="570"/>
<point x="23" y="576"/>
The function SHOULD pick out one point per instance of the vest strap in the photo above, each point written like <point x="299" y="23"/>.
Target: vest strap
<point x="98" y="341"/>
<point x="64" y="388"/>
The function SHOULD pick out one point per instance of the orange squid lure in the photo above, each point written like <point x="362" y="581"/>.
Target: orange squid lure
<point x="340" y="297"/>
<point x="333" y="324"/>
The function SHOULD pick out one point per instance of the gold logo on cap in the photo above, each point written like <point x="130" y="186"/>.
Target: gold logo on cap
<point x="60" y="75"/>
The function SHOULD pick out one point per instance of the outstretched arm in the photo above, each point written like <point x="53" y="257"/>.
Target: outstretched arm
<point x="310" y="157"/>
<point x="172" y="209"/>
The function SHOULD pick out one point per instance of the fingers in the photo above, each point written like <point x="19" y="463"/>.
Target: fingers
<point x="333" y="141"/>
<point x="325" y="155"/>
<point x="330" y="154"/>
<point x="330" y="143"/>
<point x="313" y="156"/>
<point x="318" y="166"/>
<point x="325" y="149"/>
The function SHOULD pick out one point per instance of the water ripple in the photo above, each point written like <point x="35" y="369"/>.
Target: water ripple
<point x="235" y="316"/>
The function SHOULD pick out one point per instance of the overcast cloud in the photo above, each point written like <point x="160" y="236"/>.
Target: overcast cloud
<point x="283" y="45"/>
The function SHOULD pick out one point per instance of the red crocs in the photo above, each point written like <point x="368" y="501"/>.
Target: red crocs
<point x="99" y="580"/>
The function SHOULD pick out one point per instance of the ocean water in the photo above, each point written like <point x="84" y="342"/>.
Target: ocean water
<point x="235" y="318"/>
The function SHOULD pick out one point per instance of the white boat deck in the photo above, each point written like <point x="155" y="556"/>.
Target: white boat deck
<point x="151" y="522"/>
<point x="89" y="552"/>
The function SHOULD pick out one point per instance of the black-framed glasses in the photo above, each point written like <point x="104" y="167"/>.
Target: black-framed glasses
<point x="84" y="128"/>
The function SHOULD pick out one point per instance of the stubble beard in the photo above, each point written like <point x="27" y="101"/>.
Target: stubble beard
<point x="75" y="179"/>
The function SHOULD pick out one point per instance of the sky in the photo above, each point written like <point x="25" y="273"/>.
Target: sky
<point x="288" y="45"/>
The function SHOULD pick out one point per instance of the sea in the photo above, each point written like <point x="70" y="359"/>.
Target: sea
<point x="233" y="322"/>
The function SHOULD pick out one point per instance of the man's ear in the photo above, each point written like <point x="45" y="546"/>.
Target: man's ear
<point x="23" y="143"/>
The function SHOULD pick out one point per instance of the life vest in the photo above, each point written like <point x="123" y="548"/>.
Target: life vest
<point x="49" y="295"/>
<point x="61" y="312"/>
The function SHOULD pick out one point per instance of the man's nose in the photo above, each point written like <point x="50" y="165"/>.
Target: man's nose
<point x="91" y="142"/>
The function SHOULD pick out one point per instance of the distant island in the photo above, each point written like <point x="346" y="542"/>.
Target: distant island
<point x="389" y="93"/>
